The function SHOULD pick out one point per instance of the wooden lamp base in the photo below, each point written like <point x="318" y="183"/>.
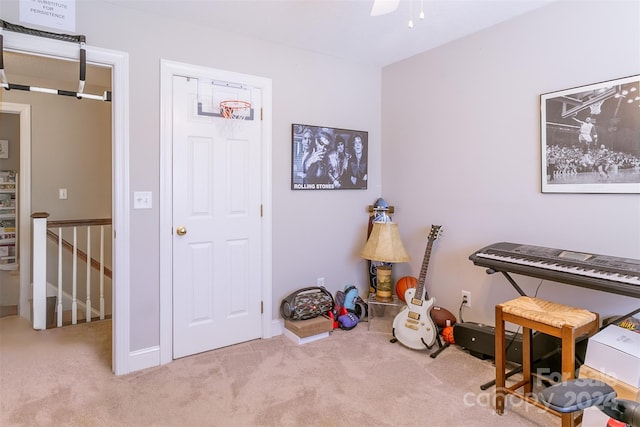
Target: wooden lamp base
<point x="384" y="290"/>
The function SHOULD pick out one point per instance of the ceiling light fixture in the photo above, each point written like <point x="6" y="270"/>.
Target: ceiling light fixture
<point x="383" y="7"/>
<point x="421" y="16"/>
<point x="410" y="14"/>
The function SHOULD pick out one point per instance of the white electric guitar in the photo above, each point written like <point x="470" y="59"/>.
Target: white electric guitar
<point x="413" y="326"/>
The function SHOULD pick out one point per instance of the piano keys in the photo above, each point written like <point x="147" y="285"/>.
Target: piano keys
<point x="600" y="272"/>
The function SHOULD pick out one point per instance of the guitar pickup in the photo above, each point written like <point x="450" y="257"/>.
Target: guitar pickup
<point x="413" y="315"/>
<point x="416" y="301"/>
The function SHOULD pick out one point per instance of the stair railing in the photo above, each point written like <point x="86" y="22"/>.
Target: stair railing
<point x="43" y="230"/>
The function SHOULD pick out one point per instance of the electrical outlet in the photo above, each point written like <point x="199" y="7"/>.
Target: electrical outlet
<point x="466" y="299"/>
<point x="320" y="281"/>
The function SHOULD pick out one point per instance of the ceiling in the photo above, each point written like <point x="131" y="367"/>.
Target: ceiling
<point x="343" y="28"/>
<point x="340" y="28"/>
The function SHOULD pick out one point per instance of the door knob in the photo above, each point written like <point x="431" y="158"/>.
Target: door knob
<point x="181" y="231"/>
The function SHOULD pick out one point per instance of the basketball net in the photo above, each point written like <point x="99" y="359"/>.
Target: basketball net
<point x="595" y="107"/>
<point x="234" y="113"/>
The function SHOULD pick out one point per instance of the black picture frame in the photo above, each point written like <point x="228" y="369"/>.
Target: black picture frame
<point x="590" y="138"/>
<point x="326" y="158"/>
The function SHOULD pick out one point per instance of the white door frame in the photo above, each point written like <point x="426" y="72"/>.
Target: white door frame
<point x="24" y="200"/>
<point x="167" y="70"/>
<point x="119" y="62"/>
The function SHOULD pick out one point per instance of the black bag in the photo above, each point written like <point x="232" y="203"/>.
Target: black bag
<point x="306" y="303"/>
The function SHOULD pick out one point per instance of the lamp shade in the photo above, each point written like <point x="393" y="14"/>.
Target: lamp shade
<point x="384" y="244"/>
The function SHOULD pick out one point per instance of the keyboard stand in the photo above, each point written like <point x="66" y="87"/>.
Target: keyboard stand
<point x="510" y="279"/>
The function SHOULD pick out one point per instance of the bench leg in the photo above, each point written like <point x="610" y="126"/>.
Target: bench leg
<point x="499" y="361"/>
<point x="526" y="360"/>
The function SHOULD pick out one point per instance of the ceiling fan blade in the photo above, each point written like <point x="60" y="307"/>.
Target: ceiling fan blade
<point x="382" y="7"/>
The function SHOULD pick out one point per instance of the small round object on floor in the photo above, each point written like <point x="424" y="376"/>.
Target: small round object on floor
<point x="403" y="284"/>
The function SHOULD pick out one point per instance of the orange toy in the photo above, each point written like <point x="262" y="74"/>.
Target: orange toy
<point x="447" y="334"/>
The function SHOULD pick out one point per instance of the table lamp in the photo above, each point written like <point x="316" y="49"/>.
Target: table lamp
<point x="384" y="245"/>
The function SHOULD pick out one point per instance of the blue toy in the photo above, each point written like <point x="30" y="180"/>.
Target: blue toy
<point x="350" y="296"/>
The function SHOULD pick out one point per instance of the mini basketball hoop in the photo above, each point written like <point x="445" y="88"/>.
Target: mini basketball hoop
<point x="235" y="109"/>
<point x="234" y="112"/>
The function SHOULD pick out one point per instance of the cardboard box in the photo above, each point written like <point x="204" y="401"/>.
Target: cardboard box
<point x="594" y="417"/>
<point x="624" y="390"/>
<point x="296" y="339"/>
<point x="615" y="350"/>
<point x="309" y="327"/>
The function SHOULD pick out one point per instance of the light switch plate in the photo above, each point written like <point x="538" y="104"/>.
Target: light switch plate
<point x="142" y="200"/>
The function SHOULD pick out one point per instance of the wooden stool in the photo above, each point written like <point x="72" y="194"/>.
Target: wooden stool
<point x="561" y="321"/>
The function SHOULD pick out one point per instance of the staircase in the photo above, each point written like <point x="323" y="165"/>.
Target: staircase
<point x="67" y="319"/>
<point x="12" y="278"/>
<point x="8" y="310"/>
<point x="77" y="287"/>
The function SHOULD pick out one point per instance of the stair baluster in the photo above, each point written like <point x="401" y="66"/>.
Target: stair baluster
<point x="44" y="229"/>
<point x="88" y="303"/>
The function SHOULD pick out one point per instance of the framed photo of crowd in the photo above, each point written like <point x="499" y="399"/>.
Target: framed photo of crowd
<point x="590" y="138"/>
<point x="325" y="158"/>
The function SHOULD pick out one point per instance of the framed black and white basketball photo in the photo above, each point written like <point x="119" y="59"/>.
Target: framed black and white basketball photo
<point x="590" y="138"/>
<point x="324" y="158"/>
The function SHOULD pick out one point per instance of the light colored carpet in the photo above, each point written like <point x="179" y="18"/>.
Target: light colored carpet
<point x="352" y="378"/>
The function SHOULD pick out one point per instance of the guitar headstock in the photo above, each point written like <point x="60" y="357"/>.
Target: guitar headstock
<point x="436" y="231"/>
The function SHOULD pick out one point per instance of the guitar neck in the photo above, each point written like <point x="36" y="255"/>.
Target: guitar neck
<point x="433" y="235"/>
<point x="423" y="272"/>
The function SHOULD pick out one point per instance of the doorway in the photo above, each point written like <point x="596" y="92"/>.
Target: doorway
<point x="118" y="61"/>
<point x="23" y="112"/>
<point x="215" y="187"/>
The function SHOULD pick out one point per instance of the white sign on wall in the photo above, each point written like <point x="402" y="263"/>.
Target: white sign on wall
<point x="58" y="14"/>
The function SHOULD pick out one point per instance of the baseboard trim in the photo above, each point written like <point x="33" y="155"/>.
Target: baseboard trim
<point x="277" y="327"/>
<point x="150" y="357"/>
<point x="144" y="358"/>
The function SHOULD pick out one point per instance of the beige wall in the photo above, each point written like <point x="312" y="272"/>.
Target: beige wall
<point x="10" y="131"/>
<point x="70" y="148"/>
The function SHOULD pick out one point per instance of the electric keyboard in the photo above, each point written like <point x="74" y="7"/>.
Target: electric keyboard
<point x="600" y="272"/>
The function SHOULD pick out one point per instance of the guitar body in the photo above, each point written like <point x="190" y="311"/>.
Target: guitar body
<point x="413" y="326"/>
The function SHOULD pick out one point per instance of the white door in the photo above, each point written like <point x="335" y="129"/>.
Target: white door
<point x="217" y="255"/>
